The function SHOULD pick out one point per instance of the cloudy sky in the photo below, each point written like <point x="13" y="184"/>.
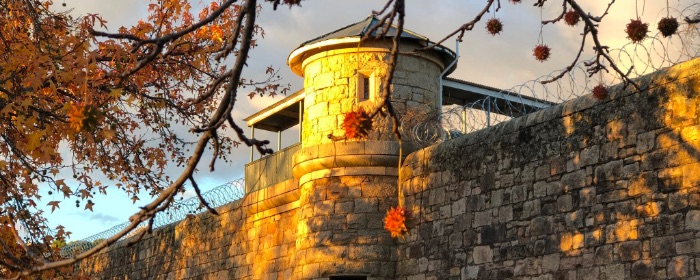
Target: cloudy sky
<point x="501" y="61"/>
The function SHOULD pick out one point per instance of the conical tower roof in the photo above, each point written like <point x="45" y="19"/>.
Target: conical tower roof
<point x="351" y="34"/>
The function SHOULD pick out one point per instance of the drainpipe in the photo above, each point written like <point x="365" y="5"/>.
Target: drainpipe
<point x="448" y="69"/>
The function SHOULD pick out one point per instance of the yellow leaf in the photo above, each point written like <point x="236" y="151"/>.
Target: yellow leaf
<point x="216" y="33"/>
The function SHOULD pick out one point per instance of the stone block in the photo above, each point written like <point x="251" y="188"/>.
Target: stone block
<point x="518" y="193"/>
<point x="691" y="176"/>
<point x="491" y="234"/>
<point x="573" y="181"/>
<point x="589" y="156"/>
<point x="437" y="196"/>
<point x="603" y="254"/>
<point x="541" y="225"/>
<point x="459" y="207"/>
<point x="590" y="273"/>
<point x="366" y="205"/>
<point x="469" y="272"/>
<point x="496" y="198"/>
<point x="550" y="263"/>
<point x="482" y="254"/>
<point x="692" y="220"/>
<point x="645" y="141"/>
<point x="643" y="269"/>
<point x="505" y="214"/>
<point x="565" y="203"/>
<point x="608" y="172"/>
<point x="531" y="208"/>
<point x="614" y="272"/>
<point x="540" y="189"/>
<point x="677" y="267"/>
<point x="629" y="250"/>
<point x="575" y="219"/>
<point x="482" y="218"/>
<point x="677" y="201"/>
<point x="688" y="247"/>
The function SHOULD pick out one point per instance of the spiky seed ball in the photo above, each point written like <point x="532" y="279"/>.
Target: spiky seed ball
<point x="395" y="221"/>
<point x="668" y="26"/>
<point x="541" y="52"/>
<point x="637" y="30"/>
<point x="572" y="17"/>
<point x="357" y="124"/>
<point x="494" y="26"/>
<point x="600" y="92"/>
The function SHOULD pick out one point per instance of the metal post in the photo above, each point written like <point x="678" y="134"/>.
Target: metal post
<point x="464" y="120"/>
<point x="279" y="140"/>
<point x="252" y="148"/>
<point x="488" y="112"/>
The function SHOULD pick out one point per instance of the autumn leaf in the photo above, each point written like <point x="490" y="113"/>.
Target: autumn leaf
<point x="54" y="205"/>
<point x="216" y="33"/>
<point x="88" y="205"/>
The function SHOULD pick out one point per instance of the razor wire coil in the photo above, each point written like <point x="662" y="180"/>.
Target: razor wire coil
<point x="178" y="211"/>
<point x="654" y="53"/>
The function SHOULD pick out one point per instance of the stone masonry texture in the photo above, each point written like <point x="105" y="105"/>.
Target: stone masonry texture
<point x="588" y="189"/>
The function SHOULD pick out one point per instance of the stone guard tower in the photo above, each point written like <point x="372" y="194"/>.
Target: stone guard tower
<point x="339" y="191"/>
<point x="347" y="186"/>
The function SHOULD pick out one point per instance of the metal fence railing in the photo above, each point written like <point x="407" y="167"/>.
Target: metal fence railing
<point x="271" y="169"/>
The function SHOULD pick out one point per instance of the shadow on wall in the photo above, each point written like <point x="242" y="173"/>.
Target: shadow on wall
<point x="340" y="229"/>
<point x="229" y="246"/>
<point x="585" y="190"/>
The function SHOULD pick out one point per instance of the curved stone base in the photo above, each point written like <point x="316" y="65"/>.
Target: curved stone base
<point x="350" y="154"/>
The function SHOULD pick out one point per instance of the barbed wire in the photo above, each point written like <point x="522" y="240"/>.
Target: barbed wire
<point x="655" y="53"/>
<point x="178" y="211"/>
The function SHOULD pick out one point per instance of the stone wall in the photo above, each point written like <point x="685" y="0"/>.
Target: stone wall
<point x="240" y="243"/>
<point x="588" y="189"/>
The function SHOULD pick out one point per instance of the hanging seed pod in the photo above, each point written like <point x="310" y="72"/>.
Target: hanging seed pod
<point x="541" y="52"/>
<point x="637" y="30"/>
<point x="572" y="18"/>
<point x="494" y="26"/>
<point x="668" y="26"/>
<point x="600" y="92"/>
<point x="357" y="125"/>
